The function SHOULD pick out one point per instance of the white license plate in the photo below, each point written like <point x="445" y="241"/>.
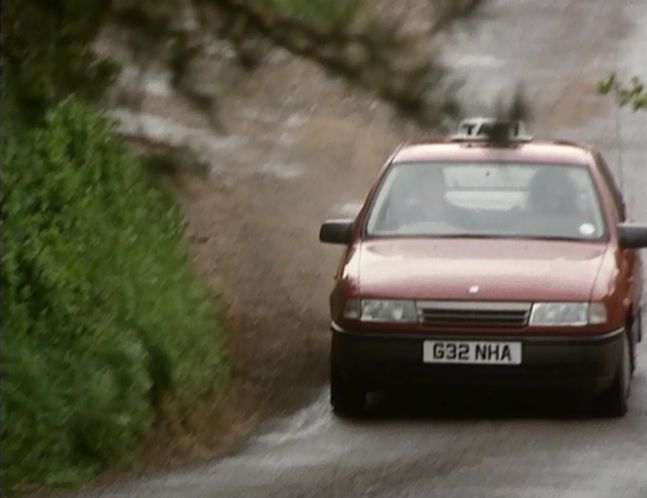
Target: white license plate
<point x="472" y="352"/>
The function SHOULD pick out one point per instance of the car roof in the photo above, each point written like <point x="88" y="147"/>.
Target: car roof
<point x="550" y="152"/>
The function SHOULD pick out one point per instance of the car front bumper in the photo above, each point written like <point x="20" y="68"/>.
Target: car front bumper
<point x="380" y="360"/>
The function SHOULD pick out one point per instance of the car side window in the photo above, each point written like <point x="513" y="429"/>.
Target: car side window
<point x="613" y="186"/>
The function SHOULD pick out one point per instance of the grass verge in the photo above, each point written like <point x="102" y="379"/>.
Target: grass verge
<point x="103" y="318"/>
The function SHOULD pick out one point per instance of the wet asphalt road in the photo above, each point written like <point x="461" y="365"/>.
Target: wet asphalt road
<point x="477" y="444"/>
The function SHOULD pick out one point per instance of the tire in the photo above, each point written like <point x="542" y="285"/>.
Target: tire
<point x="636" y="337"/>
<point x="639" y="325"/>
<point x="346" y="398"/>
<point x="633" y="343"/>
<point x="614" y="401"/>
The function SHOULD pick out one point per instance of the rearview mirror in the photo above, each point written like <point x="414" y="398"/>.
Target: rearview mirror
<point x="336" y="231"/>
<point x="632" y="235"/>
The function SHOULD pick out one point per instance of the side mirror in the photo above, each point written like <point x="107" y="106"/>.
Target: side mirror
<point x="336" y="231"/>
<point x="632" y="235"/>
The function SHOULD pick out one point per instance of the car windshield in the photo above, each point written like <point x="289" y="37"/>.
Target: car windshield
<point x="482" y="199"/>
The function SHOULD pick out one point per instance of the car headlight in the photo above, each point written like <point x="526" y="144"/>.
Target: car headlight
<point x="381" y="310"/>
<point x="388" y="310"/>
<point x="569" y="314"/>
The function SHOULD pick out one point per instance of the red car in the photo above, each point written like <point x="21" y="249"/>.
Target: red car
<point x="483" y="261"/>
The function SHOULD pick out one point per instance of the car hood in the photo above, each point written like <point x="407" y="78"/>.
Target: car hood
<point x="519" y="270"/>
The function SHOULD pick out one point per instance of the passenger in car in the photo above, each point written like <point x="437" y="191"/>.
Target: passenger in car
<point x="552" y="192"/>
<point x="553" y="201"/>
<point x="416" y="198"/>
<point x="421" y="197"/>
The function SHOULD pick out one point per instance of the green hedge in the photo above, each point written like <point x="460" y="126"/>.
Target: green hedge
<point x="102" y="314"/>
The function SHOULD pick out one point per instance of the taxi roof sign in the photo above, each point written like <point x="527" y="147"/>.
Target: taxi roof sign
<point x="491" y="128"/>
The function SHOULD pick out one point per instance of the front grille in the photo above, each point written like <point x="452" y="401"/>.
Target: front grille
<point x="474" y="314"/>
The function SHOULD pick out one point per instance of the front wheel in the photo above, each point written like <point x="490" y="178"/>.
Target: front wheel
<point x="615" y="400"/>
<point x="346" y="398"/>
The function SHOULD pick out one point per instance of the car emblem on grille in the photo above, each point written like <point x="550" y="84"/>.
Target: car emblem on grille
<point x="473" y="289"/>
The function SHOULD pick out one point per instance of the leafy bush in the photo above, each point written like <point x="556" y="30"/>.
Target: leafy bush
<point x="632" y="93"/>
<point x="102" y="316"/>
<point x="46" y="54"/>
